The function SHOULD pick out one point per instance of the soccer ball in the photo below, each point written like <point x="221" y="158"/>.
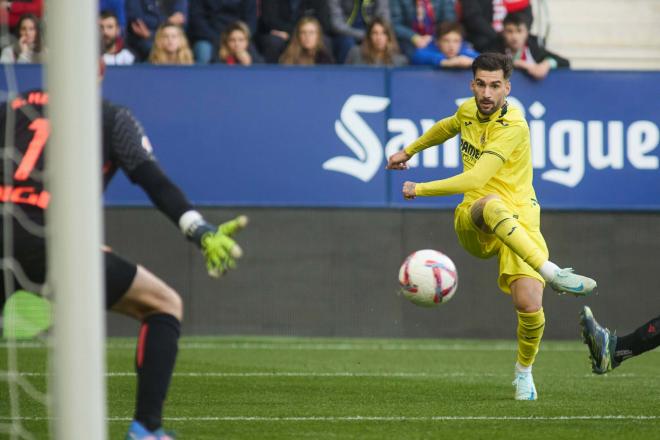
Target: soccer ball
<point x="428" y="278"/>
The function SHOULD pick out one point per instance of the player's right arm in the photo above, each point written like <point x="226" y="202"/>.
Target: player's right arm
<point x="440" y="132"/>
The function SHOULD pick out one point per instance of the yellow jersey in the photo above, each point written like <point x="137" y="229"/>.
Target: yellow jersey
<point x="504" y="135"/>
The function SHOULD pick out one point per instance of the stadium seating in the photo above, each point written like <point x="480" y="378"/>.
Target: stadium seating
<point x="606" y="34"/>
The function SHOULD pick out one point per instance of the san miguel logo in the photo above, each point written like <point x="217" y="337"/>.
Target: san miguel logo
<point x="564" y="150"/>
<point x="359" y="138"/>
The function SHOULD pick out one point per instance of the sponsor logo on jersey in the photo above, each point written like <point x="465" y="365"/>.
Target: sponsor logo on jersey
<point x="26" y="195"/>
<point x="467" y="149"/>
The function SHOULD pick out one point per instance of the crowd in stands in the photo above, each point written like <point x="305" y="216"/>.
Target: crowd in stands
<point x="446" y="34"/>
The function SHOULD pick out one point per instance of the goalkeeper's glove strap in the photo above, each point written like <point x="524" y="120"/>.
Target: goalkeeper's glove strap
<point x="194" y="227"/>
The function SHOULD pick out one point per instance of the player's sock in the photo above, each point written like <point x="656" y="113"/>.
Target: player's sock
<point x="530" y="332"/>
<point x="548" y="270"/>
<point x="154" y="360"/>
<point x="522" y="368"/>
<point x="507" y="228"/>
<point x="645" y="338"/>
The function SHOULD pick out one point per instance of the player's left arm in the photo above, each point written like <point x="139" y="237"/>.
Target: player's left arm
<point x="440" y="132"/>
<point x="497" y="151"/>
<point x="131" y="150"/>
<point x="486" y="167"/>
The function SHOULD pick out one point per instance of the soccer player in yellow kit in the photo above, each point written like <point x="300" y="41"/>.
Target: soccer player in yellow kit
<point x="500" y="214"/>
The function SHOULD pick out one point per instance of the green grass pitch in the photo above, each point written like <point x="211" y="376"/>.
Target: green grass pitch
<point x="294" y="388"/>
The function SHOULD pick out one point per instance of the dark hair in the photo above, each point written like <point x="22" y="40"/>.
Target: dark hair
<point x="237" y="26"/>
<point x="368" y="52"/>
<point x="492" y="61"/>
<point x="516" y="19"/>
<point x="445" y="27"/>
<point x="108" y="13"/>
<point x="37" y="40"/>
<point x="295" y="53"/>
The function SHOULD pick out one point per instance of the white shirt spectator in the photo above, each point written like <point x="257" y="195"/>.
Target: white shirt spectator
<point x="122" y="58"/>
<point x="8" y="56"/>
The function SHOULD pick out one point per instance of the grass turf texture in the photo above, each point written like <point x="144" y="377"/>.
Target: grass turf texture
<point x="286" y="388"/>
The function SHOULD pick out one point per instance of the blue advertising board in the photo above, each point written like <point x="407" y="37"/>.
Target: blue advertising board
<point x="594" y="135"/>
<point x="287" y="136"/>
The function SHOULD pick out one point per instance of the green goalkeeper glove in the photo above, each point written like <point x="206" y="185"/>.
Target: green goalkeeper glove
<point x="219" y="249"/>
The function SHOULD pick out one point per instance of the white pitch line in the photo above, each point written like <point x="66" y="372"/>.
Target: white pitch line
<point x="364" y="347"/>
<point x="330" y="346"/>
<point x="346" y="374"/>
<point x="323" y="346"/>
<point x="367" y="418"/>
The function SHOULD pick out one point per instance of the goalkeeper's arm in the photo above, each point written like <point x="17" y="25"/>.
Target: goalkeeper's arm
<point x="215" y="242"/>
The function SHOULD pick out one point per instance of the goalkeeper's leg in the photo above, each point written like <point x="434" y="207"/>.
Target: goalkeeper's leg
<point x="160" y="310"/>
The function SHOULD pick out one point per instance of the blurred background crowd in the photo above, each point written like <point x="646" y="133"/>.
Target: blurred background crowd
<point x="447" y="34"/>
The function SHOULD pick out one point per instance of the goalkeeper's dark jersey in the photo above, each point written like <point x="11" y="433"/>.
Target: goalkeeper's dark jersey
<point x="125" y="146"/>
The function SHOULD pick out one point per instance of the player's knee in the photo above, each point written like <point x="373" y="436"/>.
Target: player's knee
<point x="528" y="307"/>
<point x="527" y="295"/>
<point x="477" y="212"/>
<point x="170" y="302"/>
<point x="494" y="211"/>
<point x="489" y="203"/>
<point x="528" y="301"/>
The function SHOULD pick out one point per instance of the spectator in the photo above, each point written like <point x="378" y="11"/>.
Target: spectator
<point x="448" y="50"/>
<point x="116" y="6"/>
<point x="235" y="48"/>
<point x="114" y="52"/>
<point x="482" y="19"/>
<point x="414" y="21"/>
<point x="527" y="54"/>
<point x="28" y="48"/>
<point x="349" y="20"/>
<point x="379" y="48"/>
<point x="210" y="18"/>
<point x="170" y="46"/>
<point x="12" y="11"/>
<point x="145" y="16"/>
<point x="306" y="46"/>
<point x="278" y="20"/>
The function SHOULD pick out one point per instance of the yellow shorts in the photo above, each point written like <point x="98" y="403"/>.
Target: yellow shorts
<point x="484" y="245"/>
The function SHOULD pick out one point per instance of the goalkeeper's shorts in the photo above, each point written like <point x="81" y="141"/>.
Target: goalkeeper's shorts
<point x="30" y="252"/>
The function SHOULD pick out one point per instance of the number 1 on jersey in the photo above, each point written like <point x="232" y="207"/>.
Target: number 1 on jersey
<point x="41" y="128"/>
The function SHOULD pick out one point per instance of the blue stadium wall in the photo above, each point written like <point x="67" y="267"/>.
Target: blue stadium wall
<point x="302" y="151"/>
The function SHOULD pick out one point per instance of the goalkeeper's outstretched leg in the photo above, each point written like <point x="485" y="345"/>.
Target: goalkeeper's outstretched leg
<point x="160" y="309"/>
<point x="134" y="291"/>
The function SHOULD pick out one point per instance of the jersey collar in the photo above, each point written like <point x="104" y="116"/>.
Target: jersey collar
<point x="498" y="114"/>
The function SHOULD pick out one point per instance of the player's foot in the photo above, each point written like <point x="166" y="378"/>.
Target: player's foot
<point x="525" y="388"/>
<point x="600" y="341"/>
<point x="567" y="281"/>
<point x="138" y="432"/>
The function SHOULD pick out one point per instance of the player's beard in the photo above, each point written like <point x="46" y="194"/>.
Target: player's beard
<point x="494" y="106"/>
<point x="109" y="44"/>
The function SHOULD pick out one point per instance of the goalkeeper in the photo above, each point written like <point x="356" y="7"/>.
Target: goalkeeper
<point x="130" y="289"/>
